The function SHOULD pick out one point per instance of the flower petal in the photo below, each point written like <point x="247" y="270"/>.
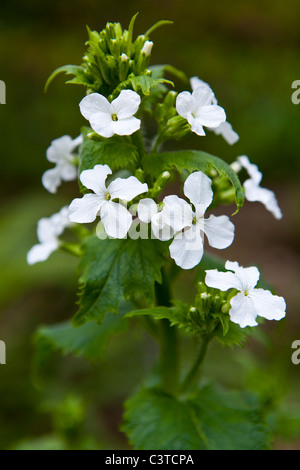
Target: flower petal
<point x="126" y="188"/>
<point x="219" y="231"/>
<point x="242" y="310"/>
<point x="116" y="219"/>
<point x="176" y="213"/>
<point x="41" y="252"/>
<point x="126" y="104"/>
<point x="68" y="172"/>
<point x="196" y="126"/>
<point x="210" y="115"/>
<point x="126" y="126"/>
<point x="101" y="123"/>
<point x="95" y="179"/>
<point x="184" y="104"/>
<point x="85" y="209"/>
<point x="160" y="229"/>
<point x="222" y="280"/>
<point x="197" y="187"/>
<point x="247" y="276"/>
<point x="51" y="179"/>
<point x="226" y="131"/>
<point x="267" y="305"/>
<point x="187" y="248"/>
<point x="94" y="103"/>
<point x="146" y="209"/>
<point x="203" y="95"/>
<point x="59" y="149"/>
<point x="254" y="193"/>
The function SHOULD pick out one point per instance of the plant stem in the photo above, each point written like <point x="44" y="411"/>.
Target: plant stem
<point x="169" y="362"/>
<point x="193" y="374"/>
<point x="138" y="141"/>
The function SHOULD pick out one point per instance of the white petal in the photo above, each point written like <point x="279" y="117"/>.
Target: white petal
<point x="146" y="209"/>
<point x="59" y="149"/>
<point x="101" y="123"/>
<point x="41" y="252"/>
<point x="47" y="231"/>
<point x="68" y="172"/>
<point x="126" y="104"/>
<point x="227" y="132"/>
<point x="242" y="311"/>
<point x="210" y="116"/>
<point x="252" y="169"/>
<point x="85" y="209"/>
<point x="184" y="104"/>
<point x="254" y="193"/>
<point x="187" y="248"/>
<point x="196" y="82"/>
<point x="222" y="280"/>
<point x="94" y="103"/>
<point x="116" y="219"/>
<point x="126" y="188"/>
<point x="177" y="213"/>
<point x="51" y="179"/>
<point x="126" y="126"/>
<point x="196" y="126"/>
<point x="203" y="95"/>
<point x="247" y="276"/>
<point x="95" y="179"/>
<point x="267" y="305"/>
<point x="219" y="231"/>
<point x="197" y="187"/>
<point x="160" y="229"/>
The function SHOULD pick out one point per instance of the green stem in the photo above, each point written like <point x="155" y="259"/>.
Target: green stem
<point x="169" y="362"/>
<point x="138" y="141"/>
<point x="193" y="374"/>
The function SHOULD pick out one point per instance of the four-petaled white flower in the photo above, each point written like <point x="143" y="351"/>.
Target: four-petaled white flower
<point x="225" y="128"/>
<point x="197" y="108"/>
<point x="190" y="225"/>
<point x="253" y="191"/>
<point x="114" y="216"/>
<point x="48" y="231"/>
<point x="106" y="118"/>
<point x="250" y="302"/>
<point x="60" y="152"/>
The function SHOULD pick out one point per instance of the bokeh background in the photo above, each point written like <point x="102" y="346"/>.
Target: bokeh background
<point x="249" y="53"/>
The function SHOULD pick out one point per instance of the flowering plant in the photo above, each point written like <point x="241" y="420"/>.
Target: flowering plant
<point x="137" y="237"/>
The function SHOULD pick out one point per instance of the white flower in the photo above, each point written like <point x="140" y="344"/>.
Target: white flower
<point x="250" y="302"/>
<point x="148" y="211"/>
<point x="114" y="216"/>
<point x="60" y="152"/>
<point x="225" y="128"/>
<point x="197" y="108"/>
<point x="48" y="231"/>
<point x="187" y="247"/>
<point x="253" y="191"/>
<point x="112" y="118"/>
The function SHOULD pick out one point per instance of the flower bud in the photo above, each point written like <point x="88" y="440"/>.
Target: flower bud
<point x="147" y="47"/>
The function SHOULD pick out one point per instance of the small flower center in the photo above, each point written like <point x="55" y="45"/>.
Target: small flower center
<point x="194" y="220"/>
<point x="114" y="117"/>
<point x="107" y="197"/>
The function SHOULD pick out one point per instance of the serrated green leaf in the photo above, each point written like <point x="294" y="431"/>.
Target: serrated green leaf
<point x="177" y="314"/>
<point x="211" y="419"/>
<point x="89" y="341"/>
<point x="114" y="269"/>
<point x="117" y="154"/>
<point x="193" y="160"/>
<point x="75" y="70"/>
<point x="144" y="83"/>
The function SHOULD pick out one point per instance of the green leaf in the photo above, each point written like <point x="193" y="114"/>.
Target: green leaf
<point x="177" y="314"/>
<point x="158" y="24"/>
<point x="75" y="70"/>
<point x="89" y="341"/>
<point x="211" y="419"/>
<point x="144" y="83"/>
<point x="193" y="160"/>
<point x="116" y="269"/>
<point x="116" y="153"/>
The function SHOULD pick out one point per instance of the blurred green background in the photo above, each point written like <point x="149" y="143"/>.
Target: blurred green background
<point x="249" y="53"/>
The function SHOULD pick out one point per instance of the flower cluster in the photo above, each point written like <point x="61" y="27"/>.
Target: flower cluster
<point x="116" y="113"/>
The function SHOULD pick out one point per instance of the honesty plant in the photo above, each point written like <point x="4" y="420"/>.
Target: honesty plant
<point x="149" y="231"/>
